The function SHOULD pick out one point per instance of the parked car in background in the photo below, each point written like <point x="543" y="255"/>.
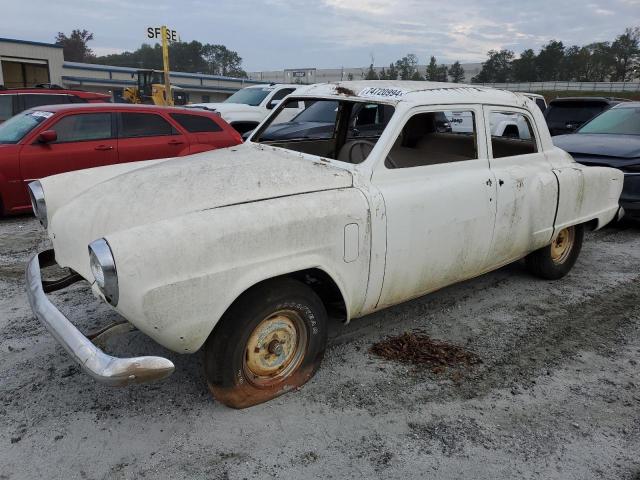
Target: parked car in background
<point x="566" y="115"/>
<point x="54" y="139"/>
<point x="541" y="102"/>
<point x="16" y="100"/>
<point x="612" y="139"/>
<point x="243" y="251"/>
<point x="247" y="108"/>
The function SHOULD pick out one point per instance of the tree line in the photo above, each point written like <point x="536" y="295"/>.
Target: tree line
<point x="407" y="69"/>
<point x="191" y="57"/>
<point x="617" y="61"/>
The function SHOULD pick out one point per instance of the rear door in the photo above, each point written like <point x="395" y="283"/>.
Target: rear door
<point x="147" y="136"/>
<point x="85" y="140"/>
<point x="527" y="190"/>
<point x="204" y="133"/>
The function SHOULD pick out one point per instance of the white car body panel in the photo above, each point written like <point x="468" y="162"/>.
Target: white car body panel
<point x="190" y="235"/>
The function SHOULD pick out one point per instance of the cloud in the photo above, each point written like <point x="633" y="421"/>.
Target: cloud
<point x="277" y="34"/>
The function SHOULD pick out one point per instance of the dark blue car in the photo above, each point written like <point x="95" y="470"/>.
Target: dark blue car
<point x="612" y="139"/>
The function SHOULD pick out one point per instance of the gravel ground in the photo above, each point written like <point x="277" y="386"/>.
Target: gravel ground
<point x="557" y="395"/>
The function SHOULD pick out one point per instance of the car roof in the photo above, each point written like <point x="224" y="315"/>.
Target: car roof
<point x="631" y="104"/>
<point x="274" y="85"/>
<point x="114" y="106"/>
<point x="414" y="92"/>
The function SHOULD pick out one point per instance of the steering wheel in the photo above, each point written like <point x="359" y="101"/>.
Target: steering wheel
<point x="356" y="151"/>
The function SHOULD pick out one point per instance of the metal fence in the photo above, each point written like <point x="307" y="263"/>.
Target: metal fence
<point x="605" y="87"/>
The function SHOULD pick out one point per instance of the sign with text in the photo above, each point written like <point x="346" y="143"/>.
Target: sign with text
<point x="156" y="32"/>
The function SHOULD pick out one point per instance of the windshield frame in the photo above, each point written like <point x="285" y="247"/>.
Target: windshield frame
<point x="605" y="112"/>
<point x="266" y="123"/>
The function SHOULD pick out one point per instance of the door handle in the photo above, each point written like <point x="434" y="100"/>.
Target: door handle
<point x="175" y="142"/>
<point x="104" y="147"/>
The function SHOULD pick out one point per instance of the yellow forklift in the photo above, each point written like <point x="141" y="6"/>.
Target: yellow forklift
<point x="150" y="89"/>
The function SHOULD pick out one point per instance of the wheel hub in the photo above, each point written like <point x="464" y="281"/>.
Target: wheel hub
<point x="275" y="348"/>
<point x="562" y="245"/>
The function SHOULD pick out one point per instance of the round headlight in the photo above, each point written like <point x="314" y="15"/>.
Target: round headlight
<point x="103" y="268"/>
<point x="36" y="194"/>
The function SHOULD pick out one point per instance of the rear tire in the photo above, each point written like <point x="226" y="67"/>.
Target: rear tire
<point x="270" y="341"/>
<point x="556" y="260"/>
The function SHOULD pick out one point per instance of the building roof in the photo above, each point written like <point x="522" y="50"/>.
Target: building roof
<point x="29" y="42"/>
<point x="396" y="91"/>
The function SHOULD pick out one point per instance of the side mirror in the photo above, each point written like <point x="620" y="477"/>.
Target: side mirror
<point x="48" y="136"/>
<point x="273" y="104"/>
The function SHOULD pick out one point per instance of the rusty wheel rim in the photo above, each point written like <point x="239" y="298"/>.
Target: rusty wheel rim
<point x="562" y="245"/>
<point x="275" y="348"/>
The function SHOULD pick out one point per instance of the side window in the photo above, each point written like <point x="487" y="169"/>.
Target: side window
<point x="280" y="94"/>
<point x="6" y="107"/>
<point x="83" y="127"/>
<point x="135" y="125"/>
<point x="74" y="99"/>
<point x="431" y="139"/>
<point x="36" y="100"/>
<point x="196" y="123"/>
<point x="511" y="134"/>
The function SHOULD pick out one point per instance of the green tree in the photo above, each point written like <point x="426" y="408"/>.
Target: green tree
<point x="442" y="73"/>
<point x="392" y="73"/>
<point x="457" y="73"/>
<point x="222" y="61"/>
<point x="524" y="69"/>
<point x="497" y="68"/>
<point x="550" y="61"/>
<point x="371" y="74"/>
<point x="432" y="70"/>
<point x="383" y="74"/>
<point x="75" y="47"/>
<point x="625" y="51"/>
<point x="407" y="66"/>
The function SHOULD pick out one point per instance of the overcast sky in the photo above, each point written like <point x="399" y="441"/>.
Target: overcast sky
<point x="277" y="34"/>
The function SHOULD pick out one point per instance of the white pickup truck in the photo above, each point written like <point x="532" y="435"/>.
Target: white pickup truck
<point x="248" y="107"/>
<point x="364" y="203"/>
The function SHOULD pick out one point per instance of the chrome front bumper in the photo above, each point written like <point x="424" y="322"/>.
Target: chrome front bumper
<point x="104" y="368"/>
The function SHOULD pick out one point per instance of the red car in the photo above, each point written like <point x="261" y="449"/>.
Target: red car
<point x="60" y="138"/>
<point x="17" y="100"/>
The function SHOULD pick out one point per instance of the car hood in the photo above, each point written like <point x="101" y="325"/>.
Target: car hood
<point x="179" y="186"/>
<point x="599" y="145"/>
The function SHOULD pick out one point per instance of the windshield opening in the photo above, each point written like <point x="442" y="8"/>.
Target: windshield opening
<point x="340" y="130"/>
<point x="249" y="96"/>
<point x="619" y="121"/>
<point x="15" y="129"/>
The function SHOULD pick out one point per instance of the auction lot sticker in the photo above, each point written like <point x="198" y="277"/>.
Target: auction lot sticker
<point x="382" y="92"/>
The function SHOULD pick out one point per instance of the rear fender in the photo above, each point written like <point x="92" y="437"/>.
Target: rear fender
<point x="587" y="194"/>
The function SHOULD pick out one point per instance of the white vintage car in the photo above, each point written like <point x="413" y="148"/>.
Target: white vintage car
<point x="244" y="252"/>
<point x="248" y="107"/>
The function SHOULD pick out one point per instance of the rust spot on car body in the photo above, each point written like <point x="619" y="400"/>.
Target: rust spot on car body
<point x="345" y="91"/>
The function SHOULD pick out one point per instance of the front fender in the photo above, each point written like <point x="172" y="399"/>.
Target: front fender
<point x="178" y="276"/>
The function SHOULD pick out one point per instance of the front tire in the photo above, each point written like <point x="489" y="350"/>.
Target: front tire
<point x="556" y="260"/>
<point x="270" y="341"/>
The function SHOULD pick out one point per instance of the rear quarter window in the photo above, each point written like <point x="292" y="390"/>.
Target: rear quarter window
<point x="196" y="123"/>
<point x="6" y="107"/>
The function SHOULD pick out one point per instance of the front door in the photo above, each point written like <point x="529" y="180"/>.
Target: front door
<point x="85" y="140"/>
<point x="439" y="197"/>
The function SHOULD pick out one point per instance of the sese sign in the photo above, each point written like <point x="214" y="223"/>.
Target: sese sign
<point x="156" y="32"/>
